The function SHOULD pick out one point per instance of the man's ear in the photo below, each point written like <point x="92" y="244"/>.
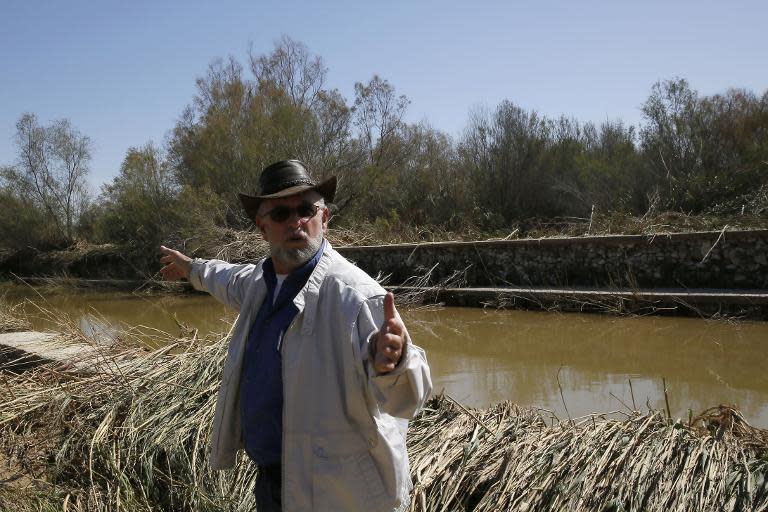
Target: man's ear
<point x="260" y="227"/>
<point x="326" y="216"/>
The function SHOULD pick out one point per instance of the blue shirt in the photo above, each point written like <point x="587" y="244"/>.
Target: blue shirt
<point x="261" y="381"/>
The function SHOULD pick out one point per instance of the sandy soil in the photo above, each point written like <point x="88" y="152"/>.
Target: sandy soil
<point x="11" y="474"/>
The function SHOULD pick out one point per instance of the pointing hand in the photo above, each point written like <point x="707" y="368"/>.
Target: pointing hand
<point x="177" y="265"/>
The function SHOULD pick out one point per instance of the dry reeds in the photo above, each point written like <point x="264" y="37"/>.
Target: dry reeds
<point x="417" y="290"/>
<point x="508" y="458"/>
<point x="11" y="319"/>
<point x="132" y="434"/>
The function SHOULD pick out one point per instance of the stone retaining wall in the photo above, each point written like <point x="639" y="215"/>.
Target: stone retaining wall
<point x="735" y="260"/>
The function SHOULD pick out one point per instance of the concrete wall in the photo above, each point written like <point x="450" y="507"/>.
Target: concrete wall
<point x="738" y="259"/>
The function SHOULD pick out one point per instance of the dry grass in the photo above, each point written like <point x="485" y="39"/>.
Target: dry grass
<point x="11" y="319"/>
<point x="211" y="241"/>
<point x="130" y="435"/>
<point x="421" y="292"/>
<point x="610" y="223"/>
<point x="233" y="245"/>
<point x="613" y="223"/>
<point x="133" y="434"/>
<point x="508" y="458"/>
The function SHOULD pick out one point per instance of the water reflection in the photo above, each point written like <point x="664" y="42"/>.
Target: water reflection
<point x="113" y="312"/>
<point x="483" y="357"/>
<point x="486" y="356"/>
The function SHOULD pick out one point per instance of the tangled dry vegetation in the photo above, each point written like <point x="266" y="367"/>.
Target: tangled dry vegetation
<point x="509" y="458"/>
<point x="132" y="435"/>
<point x="209" y="241"/>
<point x="11" y="319"/>
<point x="233" y="245"/>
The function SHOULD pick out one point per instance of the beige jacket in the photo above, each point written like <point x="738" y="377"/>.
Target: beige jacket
<point x="344" y="426"/>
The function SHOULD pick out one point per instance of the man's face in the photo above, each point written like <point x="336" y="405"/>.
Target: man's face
<point x="296" y="239"/>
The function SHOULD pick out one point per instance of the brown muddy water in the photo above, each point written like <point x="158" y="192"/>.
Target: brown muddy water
<point x="585" y="363"/>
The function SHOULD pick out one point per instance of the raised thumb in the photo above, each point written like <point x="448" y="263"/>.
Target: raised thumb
<point x="389" y="307"/>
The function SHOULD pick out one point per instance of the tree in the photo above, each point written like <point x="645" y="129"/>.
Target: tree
<point x="505" y="152"/>
<point x="51" y="170"/>
<point x="379" y="115"/>
<point x="704" y="150"/>
<point x="380" y="149"/>
<point x="671" y="139"/>
<point x="294" y="81"/>
<point x="610" y="171"/>
<point x="430" y="189"/>
<point x="291" y="69"/>
<point x="735" y="147"/>
<point x="566" y="146"/>
<point x="213" y="144"/>
<point x="139" y="205"/>
<point x="23" y="222"/>
<point x="236" y="125"/>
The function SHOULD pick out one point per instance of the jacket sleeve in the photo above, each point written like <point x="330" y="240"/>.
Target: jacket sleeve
<point x="227" y="282"/>
<point x="403" y="391"/>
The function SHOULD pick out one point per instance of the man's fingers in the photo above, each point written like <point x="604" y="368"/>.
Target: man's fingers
<point x="391" y="340"/>
<point x="385" y="367"/>
<point x="174" y="262"/>
<point x="389" y="345"/>
<point x="389" y="307"/>
<point x="393" y="326"/>
<point x="387" y="359"/>
<point x="392" y="358"/>
<point x="389" y="350"/>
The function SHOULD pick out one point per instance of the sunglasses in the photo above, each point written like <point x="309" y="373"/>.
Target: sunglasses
<point x="281" y="213"/>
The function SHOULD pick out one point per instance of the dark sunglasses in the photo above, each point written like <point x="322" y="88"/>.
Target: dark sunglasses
<point x="281" y="213"/>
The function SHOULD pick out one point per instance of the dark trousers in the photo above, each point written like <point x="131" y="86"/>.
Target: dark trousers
<point x="268" y="490"/>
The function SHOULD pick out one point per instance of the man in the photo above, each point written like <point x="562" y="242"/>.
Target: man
<point x="321" y="377"/>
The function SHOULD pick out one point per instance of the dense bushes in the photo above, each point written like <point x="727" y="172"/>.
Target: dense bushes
<point x="693" y="154"/>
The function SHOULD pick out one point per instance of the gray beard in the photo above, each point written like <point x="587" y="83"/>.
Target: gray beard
<point x="296" y="257"/>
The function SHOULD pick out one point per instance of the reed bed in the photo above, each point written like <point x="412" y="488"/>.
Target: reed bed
<point x="132" y="434"/>
<point x="11" y="319"/>
<point x="509" y="458"/>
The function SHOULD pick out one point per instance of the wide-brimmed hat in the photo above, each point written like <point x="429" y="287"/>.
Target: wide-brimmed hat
<point x="286" y="178"/>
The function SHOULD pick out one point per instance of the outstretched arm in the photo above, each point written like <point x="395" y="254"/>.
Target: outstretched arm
<point x="225" y="281"/>
<point x="176" y="265"/>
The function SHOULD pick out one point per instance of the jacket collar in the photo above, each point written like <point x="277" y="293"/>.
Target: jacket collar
<point x="294" y="282"/>
<point x="306" y="300"/>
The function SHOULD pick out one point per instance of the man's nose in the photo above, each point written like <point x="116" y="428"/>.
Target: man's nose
<point x="295" y="220"/>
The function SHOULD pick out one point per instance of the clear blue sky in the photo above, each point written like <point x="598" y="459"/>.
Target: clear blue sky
<point x="123" y="72"/>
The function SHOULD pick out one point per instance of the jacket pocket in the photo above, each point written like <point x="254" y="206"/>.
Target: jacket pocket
<point x="344" y="474"/>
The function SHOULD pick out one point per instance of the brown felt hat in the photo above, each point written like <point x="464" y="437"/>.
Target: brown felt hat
<point x="286" y="178"/>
